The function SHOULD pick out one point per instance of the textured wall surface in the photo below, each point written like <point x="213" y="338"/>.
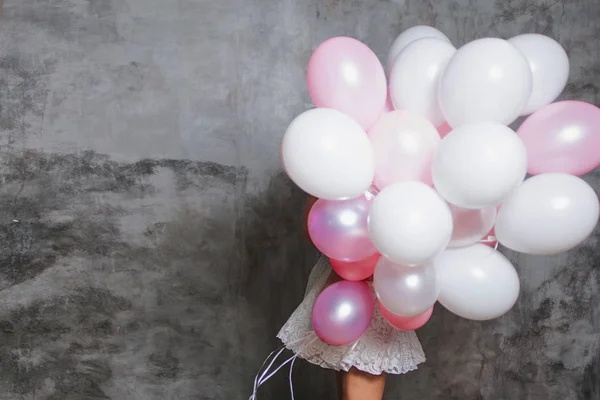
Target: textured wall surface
<point x="149" y="241"/>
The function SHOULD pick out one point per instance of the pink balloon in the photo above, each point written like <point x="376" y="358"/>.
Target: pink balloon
<point x="444" y="129"/>
<point x="405" y="323"/>
<point x="345" y="74"/>
<point x="355" y="271"/>
<point x="562" y="137"/>
<point x="339" y="229"/>
<point x="404" y="144"/>
<point x="343" y="312"/>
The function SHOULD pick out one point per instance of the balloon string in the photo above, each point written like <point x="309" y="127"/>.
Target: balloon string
<point x="270" y="365"/>
<point x="262" y="377"/>
<point x="263" y="380"/>
<point x="290" y="376"/>
<point x="354" y="345"/>
<point x="276" y="370"/>
<point x="256" y="378"/>
<point x="258" y="381"/>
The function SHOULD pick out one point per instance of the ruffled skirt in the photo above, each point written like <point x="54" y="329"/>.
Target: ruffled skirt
<point x="380" y="349"/>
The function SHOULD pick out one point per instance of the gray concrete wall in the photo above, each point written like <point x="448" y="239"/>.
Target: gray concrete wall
<point x="149" y="241"/>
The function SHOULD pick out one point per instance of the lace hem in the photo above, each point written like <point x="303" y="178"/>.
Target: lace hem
<point x="322" y="358"/>
<point x="380" y="349"/>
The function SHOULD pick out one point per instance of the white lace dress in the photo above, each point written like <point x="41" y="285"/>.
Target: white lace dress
<point x="380" y="349"/>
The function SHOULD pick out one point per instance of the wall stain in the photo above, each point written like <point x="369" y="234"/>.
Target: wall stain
<point x="557" y="330"/>
<point x="51" y="340"/>
<point x="94" y="23"/>
<point x="23" y="93"/>
<point x="52" y="218"/>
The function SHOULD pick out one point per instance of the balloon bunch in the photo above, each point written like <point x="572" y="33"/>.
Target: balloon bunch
<point x="410" y="193"/>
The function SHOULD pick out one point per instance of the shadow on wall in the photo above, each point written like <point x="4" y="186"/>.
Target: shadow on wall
<point x="276" y="265"/>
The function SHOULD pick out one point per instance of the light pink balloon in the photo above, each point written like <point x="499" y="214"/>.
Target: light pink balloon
<point x="404" y="144"/>
<point x="405" y="323"/>
<point x="343" y="312"/>
<point x="339" y="228"/>
<point x="562" y="137"/>
<point x="343" y="73"/>
<point x="357" y="270"/>
<point x="470" y="225"/>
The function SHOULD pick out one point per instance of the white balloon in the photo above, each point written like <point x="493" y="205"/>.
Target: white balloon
<point x="328" y="154"/>
<point x="404" y="144"/>
<point x="549" y="65"/>
<point x="410" y="223"/>
<point x="409" y="36"/>
<point x="470" y="226"/>
<point x="477" y="165"/>
<point x="415" y="76"/>
<point x="548" y="214"/>
<point x="405" y="291"/>
<point x="476" y="282"/>
<point x="486" y="80"/>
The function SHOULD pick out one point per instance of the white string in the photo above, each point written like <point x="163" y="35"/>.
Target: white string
<point x="258" y="381"/>
<point x="263" y="364"/>
<point x="256" y="378"/>
<point x="281" y="349"/>
<point x="261" y="381"/>
<point x="290" y="376"/>
<point x="354" y="346"/>
<point x="270" y="365"/>
<point x="286" y="362"/>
